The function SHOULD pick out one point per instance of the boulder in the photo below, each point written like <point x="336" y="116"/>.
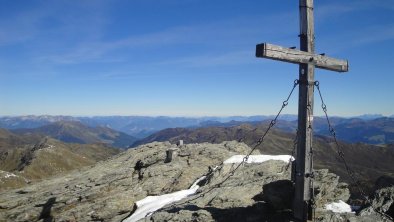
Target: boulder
<point x="382" y="202"/>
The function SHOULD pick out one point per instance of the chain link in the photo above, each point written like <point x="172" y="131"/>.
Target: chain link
<point x="341" y="154"/>
<point x="274" y="121"/>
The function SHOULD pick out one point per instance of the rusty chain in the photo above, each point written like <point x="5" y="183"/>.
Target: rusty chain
<point x="244" y="160"/>
<point x="341" y="154"/>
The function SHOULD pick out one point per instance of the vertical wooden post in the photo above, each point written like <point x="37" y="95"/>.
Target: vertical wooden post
<point x="307" y="60"/>
<point x="305" y="115"/>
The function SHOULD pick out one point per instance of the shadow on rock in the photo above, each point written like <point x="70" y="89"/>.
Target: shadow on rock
<point x="45" y="214"/>
<point x="257" y="212"/>
<point x="278" y="195"/>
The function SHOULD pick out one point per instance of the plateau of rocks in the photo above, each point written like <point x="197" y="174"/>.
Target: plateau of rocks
<point x="108" y="190"/>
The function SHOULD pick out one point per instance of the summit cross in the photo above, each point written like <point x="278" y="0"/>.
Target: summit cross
<point x="307" y="60"/>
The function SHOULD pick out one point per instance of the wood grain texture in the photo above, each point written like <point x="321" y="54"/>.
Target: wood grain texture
<point x="275" y="52"/>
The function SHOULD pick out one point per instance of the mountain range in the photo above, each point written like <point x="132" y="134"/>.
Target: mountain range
<point x="76" y="132"/>
<point x="372" y="129"/>
<point x="137" y="126"/>
<point x="352" y="130"/>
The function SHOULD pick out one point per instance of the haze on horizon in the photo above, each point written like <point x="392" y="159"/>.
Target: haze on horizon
<point x="186" y="58"/>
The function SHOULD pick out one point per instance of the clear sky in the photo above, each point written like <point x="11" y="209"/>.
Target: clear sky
<point x="186" y="57"/>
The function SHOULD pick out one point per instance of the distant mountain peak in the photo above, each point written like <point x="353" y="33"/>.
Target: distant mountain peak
<point x="77" y="132"/>
<point x="369" y="116"/>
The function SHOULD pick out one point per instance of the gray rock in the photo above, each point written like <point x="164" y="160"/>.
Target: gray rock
<point x="382" y="202"/>
<point x="108" y="190"/>
<point x="256" y="192"/>
<point x="328" y="189"/>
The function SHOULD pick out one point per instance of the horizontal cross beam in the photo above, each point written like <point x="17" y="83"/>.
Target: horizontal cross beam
<point x="266" y="50"/>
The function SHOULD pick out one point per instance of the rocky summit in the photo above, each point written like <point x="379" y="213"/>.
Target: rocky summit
<point x="109" y="190"/>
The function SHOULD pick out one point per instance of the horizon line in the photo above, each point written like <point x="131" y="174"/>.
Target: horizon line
<point x="188" y="116"/>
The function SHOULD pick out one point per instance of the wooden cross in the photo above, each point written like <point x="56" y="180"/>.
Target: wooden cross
<point x="307" y="60"/>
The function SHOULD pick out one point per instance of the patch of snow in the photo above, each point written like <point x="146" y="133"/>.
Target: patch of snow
<point x="6" y="175"/>
<point x="258" y="158"/>
<point x="338" y="207"/>
<point x="150" y="204"/>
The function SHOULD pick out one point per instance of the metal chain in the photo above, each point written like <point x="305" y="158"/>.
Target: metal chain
<point x="341" y="154"/>
<point x="273" y="121"/>
<point x="244" y="160"/>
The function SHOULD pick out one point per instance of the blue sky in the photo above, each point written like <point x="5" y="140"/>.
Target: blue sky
<point x="186" y="57"/>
